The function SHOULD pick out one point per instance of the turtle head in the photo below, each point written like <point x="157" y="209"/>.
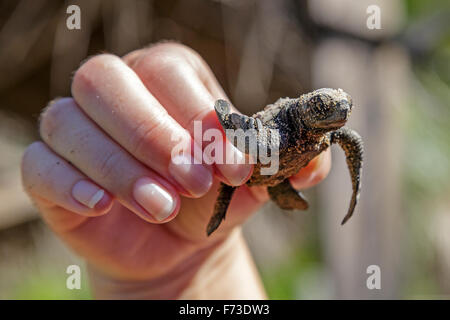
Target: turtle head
<point x="325" y="109"/>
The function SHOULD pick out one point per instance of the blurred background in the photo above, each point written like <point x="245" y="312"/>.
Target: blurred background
<point x="399" y="78"/>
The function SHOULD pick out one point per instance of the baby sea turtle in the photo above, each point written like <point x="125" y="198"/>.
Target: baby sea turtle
<point x="293" y="131"/>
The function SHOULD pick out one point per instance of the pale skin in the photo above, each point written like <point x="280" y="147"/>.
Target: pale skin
<point x="103" y="180"/>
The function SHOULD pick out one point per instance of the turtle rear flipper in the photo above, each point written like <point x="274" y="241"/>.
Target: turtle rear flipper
<point x="286" y="197"/>
<point x="351" y="142"/>
<point x="220" y="208"/>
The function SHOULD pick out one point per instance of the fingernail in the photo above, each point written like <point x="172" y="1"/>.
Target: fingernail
<point x="153" y="198"/>
<point x="236" y="169"/>
<point x="195" y="178"/>
<point x="87" y="193"/>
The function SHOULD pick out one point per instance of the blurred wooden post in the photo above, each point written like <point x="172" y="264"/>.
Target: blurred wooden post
<point x="15" y="206"/>
<point x="377" y="79"/>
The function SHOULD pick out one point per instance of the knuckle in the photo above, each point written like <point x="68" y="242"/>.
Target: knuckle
<point x="83" y="77"/>
<point x="154" y="64"/>
<point x="172" y="47"/>
<point x="166" y="57"/>
<point x="176" y="48"/>
<point x="142" y="137"/>
<point x="28" y="161"/>
<point x="109" y="166"/>
<point x="146" y="135"/>
<point x="52" y="117"/>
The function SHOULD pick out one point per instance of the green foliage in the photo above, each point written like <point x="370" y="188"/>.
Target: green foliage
<point x="428" y="139"/>
<point x="283" y="281"/>
<point x="419" y="8"/>
<point x="49" y="286"/>
<point x="427" y="169"/>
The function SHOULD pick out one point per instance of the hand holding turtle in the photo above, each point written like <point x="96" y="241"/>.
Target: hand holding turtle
<point x="104" y="181"/>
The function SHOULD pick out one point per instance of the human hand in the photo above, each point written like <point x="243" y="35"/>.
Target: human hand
<point x="104" y="181"/>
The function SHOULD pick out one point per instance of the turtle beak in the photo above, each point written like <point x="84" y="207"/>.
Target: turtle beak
<point x="344" y="113"/>
<point x="345" y="108"/>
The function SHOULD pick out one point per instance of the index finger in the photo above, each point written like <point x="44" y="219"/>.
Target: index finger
<point x="113" y="96"/>
<point x="184" y="84"/>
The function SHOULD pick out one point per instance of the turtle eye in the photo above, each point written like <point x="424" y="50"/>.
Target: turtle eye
<point x="318" y="107"/>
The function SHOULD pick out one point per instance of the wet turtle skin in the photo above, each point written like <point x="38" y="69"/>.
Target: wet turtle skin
<point x="296" y="130"/>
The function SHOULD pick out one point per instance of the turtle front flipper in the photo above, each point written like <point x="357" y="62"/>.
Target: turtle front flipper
<point x="220" y="208"/>
<point x="286" y="197"/>
<point x="230" y="120"/>
<point x="246" y="133"/>
<point x="223" y="110"/>
<point x="351" y="142"/>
